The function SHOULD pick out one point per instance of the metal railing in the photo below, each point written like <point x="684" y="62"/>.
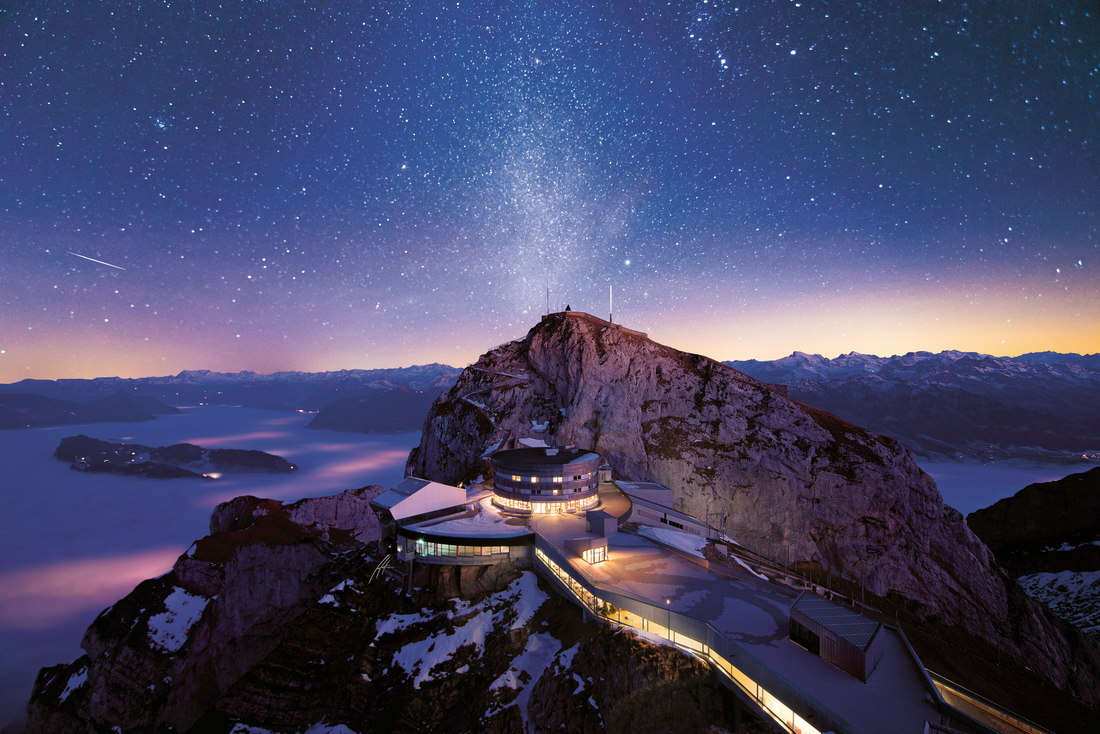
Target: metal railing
<point x="787" y="704"/>
<point x="983" y="710"/>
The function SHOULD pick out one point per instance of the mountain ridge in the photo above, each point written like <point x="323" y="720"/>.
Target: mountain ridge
<point x="1043" y="406"/>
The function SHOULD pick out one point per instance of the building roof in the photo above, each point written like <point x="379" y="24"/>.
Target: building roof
<point x="417" y="497"/>
<point x="845" y="623"/>
<point x="542" y="458"/>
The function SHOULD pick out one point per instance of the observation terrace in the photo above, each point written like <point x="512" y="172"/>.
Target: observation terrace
<point x="738" y="621"/>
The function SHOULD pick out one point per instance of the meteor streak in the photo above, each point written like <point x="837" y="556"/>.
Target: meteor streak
<point x="95" y="261"/>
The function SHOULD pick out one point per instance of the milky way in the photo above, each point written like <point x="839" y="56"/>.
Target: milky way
<point x="284" y="185"/>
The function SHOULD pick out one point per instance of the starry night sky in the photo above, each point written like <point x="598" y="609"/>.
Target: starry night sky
<point x="294" y="185"/>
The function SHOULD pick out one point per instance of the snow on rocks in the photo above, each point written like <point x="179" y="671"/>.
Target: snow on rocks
<point x="1072" y="595"/>
<point x="421" y="657"/>
<point x="319" y="728"/>
<point x="78" y="679"/>
<point x="542" y="651"/>
<point x="168" y="630"/>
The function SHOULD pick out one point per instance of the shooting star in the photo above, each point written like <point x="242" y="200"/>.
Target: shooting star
<point x="95" y="261"/>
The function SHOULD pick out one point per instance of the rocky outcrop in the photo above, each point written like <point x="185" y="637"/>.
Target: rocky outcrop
<point x="1047" y="536"/>
<point x="168" y="652"/>
<point x="163" y="655"/>
<point x="782" y="478"/>
<point x="1046" y="512"/>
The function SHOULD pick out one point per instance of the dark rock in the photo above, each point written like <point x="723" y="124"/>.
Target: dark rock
<point x="1044" y="512"/>
<point x="28" y="411"/>
<point x="394" y="411"/>
<point x="167" y="462"/>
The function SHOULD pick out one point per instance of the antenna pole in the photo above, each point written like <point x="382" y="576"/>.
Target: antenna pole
<point x="611" y="304"/>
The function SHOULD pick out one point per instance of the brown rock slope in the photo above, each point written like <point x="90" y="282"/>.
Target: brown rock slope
<point x="777" y="475"/>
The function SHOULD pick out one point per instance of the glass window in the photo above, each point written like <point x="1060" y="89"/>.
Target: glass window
<point x="534" y="480"/>
<point x="558" y="479"/>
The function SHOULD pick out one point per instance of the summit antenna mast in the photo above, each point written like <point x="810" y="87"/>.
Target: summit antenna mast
<point x="611" y="304"/>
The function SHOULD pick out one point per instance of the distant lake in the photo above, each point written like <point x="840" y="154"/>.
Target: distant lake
<point x="71" y="544"/>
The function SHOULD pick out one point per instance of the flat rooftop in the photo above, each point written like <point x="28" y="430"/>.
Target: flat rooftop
<point x="485" y="522"/>
<point x="845" y="623"/>
<point x="541" y="458"/>
<point x="755" y="615"/>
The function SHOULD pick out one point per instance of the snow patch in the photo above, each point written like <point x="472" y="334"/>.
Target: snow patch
<point x="420" y="658"/>
<point x="77" y="679"/>
<point x="541" y="651"/>
<point x="168" y="630"/>
<point x="396" y="622"/>
<point x="745" y="566"/>
<point x="686" y="542"/>
<point x="1072" y="595"/>
<point x="533" y="443"/>
<point x="328" y="599"/>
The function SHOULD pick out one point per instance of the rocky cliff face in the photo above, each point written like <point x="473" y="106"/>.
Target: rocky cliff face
<point x="782" y="478"/>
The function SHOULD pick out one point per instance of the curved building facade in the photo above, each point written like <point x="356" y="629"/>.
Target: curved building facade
<point x="545" y="480"/>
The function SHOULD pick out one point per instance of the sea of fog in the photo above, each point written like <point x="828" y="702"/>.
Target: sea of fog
<point x="71" y="544"/>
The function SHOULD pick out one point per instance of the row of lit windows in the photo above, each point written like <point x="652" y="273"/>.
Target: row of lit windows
<point x="546" y="507"/>
<point x="428" y="548"/>
<point x="559" y="480"/>
<point x="572" y="490"/>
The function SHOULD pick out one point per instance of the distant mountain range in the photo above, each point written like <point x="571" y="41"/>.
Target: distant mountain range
<point x="1042" y="405"/>
<point x="115" y="399"/>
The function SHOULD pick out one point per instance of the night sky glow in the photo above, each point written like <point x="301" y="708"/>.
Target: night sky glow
<point x="288" y="185"/>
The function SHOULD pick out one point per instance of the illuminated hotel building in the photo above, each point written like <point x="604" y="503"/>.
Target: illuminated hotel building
<point x="540" y="481"/>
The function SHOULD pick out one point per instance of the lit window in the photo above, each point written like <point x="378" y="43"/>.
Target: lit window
<point x="516" y="478"/>
<point x="558" y="479"/>
<point x="534" y="480"/>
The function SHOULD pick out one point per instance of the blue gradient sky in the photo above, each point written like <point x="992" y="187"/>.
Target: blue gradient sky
<point x="298" y="186"/>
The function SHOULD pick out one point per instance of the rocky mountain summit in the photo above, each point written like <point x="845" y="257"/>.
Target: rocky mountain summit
<point x="164" y="462"/>
<point x="782" y="478"/>
<point x="281" y="621"/>
<point x="1043" y="406"/>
